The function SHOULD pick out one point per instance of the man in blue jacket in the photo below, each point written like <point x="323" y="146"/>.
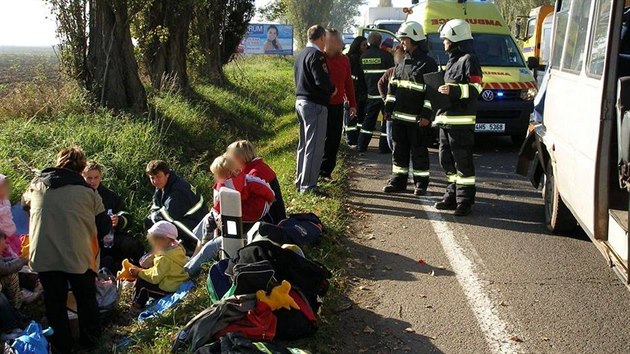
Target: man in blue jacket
<point x="313" y="90"/>
<point x="176" y="201"/>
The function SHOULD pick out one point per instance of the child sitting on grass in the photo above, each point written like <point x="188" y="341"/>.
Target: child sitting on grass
<point x="9" y="280"/>
<point x="256" y="197"/>
<point x="167" y="272"/>
<point x="7" y="226"/>
<point x="243" y="153"/>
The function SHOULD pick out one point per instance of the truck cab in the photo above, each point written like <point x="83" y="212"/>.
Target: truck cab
<point x="534" y="34"/>
<point x="579" y="156"/>
<point x="505" y="104"/>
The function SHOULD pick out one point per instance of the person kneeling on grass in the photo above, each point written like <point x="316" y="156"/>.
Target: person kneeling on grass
<point x="9" y="280"/>
<point x="243" y="154"/>
<point x="167" y="272"/>
<point x="256" y="197"/>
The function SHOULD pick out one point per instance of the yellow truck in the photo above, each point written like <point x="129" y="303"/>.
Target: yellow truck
<point x="536" y="36"/>
<point x="506" y="102"/>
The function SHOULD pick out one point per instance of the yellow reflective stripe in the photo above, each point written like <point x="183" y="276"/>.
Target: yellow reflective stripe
<point x="402" y="116"/>
<point x="363" y="131"/>
<point x="297" y="351"/>
<point x="455" y="120"/>
<point x="477" y="87"/>
<point x="374" y="71"/>
<point x="411" y="85"/>
<point x="466" y="181"/>
<point x="359" y="125"/>
<point x="393" y="82"/>
<point x="421" y="173"/>
<point x="262" y="347"/>
<point x="375" y="97"/>
<point x="465" y="91"/>
<point x="383" y="134"/>
<point x="400" y="170"/>
<point x="451" y="178"/>
<point x="181" y="226"/>
<point x="390" y="98"/>
<point x="427" y="104"/>
<point x="195" y="208"/>
<point x="351" y="129"/>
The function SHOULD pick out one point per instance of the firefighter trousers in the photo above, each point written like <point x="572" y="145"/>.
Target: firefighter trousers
<point x="353" y="125"/>
<point x="456" y="158"/>
<point x="410" y="143"/>
<point x="373" y="108"/>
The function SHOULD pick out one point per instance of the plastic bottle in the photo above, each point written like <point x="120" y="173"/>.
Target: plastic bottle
<point x="108" y="240"/>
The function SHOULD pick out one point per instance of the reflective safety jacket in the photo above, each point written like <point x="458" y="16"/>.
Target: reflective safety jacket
<point x="375" y="62"/>
<point x="463" y="75"/>
<point x="406" y="93"/>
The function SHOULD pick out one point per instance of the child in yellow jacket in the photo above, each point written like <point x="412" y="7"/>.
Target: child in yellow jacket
<point x="167" y="272"/>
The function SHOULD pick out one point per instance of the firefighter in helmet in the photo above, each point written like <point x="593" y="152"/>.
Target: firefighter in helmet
<point x="462" y="79"/>
<point x="410" y="111"/>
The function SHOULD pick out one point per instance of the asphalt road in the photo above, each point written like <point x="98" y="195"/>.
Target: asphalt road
<point x="423" y="281"/>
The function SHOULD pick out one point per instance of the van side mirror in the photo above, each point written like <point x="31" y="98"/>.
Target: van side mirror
<point x="533" y="63"/>
<point x="517" y="30"/>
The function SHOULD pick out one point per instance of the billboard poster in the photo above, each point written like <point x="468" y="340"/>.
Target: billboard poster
<point x="264" y="38"/>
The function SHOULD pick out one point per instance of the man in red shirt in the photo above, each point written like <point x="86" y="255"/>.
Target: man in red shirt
<point x="341" y="77"/>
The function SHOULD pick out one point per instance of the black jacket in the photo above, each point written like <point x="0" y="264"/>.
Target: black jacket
<point x="375" y="63"/>
<point x="358" y="79"/>
<point x="180" y="204"/>
<point x="113" y="202"/>
<point x="312" y="81"/>
<point x="406" y="96"/>
<point x="464" y="75"/>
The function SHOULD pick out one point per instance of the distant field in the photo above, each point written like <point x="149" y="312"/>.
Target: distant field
<point x="21" y="64"/>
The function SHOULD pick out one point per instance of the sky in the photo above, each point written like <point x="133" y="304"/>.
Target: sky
<point x="29" y="23"/>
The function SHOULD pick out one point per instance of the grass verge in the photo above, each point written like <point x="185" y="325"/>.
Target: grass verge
<point x="189" y="131"/>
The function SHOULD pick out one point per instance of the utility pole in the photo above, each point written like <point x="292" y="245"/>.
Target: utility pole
<point x="385" y="3"/>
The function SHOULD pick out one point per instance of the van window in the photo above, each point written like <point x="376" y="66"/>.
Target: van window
<point x="574" y="48"/>
<point x="562" y="19"/>
<point x="491" y="49"/>
<point x="531" y="27"/>
<point x="597" y="55"/>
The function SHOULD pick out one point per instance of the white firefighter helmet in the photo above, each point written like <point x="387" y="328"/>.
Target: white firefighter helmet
<point x="412" y="30"/>
<point x="456" y="31"/>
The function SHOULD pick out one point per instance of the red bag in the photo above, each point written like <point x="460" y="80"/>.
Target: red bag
<point x="259" y="324"/>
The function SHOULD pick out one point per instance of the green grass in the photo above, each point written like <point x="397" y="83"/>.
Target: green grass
<point x="188" y="131"/>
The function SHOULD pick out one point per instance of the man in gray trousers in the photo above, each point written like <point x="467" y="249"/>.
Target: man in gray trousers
<point x="313" y="90"/>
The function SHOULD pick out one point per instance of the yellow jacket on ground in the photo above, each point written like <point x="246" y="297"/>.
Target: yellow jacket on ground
<point x="168" y="269"/>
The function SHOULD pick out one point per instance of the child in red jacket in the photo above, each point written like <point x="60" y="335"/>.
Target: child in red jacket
<point x="256" y="194"/>
<point x="243" y="154"/>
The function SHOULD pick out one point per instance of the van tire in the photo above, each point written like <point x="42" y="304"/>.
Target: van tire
<point x="558" y="217"/>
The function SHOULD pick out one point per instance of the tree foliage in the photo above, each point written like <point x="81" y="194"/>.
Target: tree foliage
<point x="218" y="28"/>
<point x="97" y="52"/>
<point x="512" y="9"/>
<point x="344" y="14"/>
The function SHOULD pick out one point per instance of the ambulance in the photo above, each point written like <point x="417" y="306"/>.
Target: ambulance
<point x="536" y="37"/>
<point x="506" y="102"/>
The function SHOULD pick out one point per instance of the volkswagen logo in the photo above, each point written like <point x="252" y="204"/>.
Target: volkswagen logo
<point x="487" y="95"/>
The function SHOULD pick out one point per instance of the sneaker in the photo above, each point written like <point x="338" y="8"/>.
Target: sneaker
<point x="419" y="191"/>
<point x="463" y="209"/>
<point x="445" y="205"/>
<point x="390" y="188"/>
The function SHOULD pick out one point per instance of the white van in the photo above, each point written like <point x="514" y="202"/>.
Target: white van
<point x="580" y="153"/>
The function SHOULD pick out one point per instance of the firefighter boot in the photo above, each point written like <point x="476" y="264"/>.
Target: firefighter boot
<point x="446" y="204"/>
<point x="463" y="209"/>
<point x="393" y="187"/>
<point x="419" y="189"/>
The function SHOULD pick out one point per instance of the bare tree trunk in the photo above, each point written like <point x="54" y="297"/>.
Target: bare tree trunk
<point x="165" y="54"/>
<point x="110" y="59"/>
<point x="384" y="3"/>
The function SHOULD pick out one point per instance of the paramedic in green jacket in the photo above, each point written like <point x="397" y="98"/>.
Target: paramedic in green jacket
<point x="463" y="79"/>
<point x="175" y="201"/>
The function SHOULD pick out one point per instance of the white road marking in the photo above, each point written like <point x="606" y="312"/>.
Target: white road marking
<point x="494" y="329"/>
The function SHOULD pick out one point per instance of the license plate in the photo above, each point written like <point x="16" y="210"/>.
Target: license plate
<point x="490" y="127"/>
